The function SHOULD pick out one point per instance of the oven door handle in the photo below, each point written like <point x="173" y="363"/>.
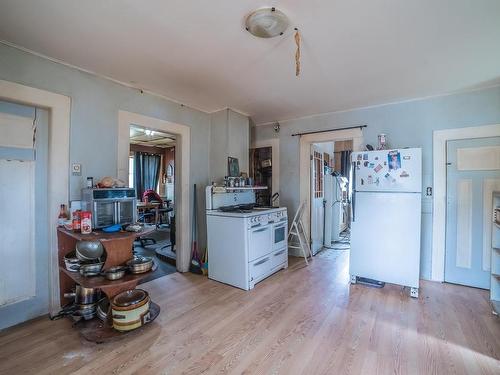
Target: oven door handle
<point x="261" y="261"/>
<point x="260" y="230"/>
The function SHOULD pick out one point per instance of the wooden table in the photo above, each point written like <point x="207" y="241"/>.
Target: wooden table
<point x="143" y="206"/>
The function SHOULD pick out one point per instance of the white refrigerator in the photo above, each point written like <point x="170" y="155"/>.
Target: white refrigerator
<point x="386" y="216"/>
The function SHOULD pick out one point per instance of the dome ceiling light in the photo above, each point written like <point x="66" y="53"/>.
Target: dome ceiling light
<point x="270" y="22"/>
<point x="266" y="23"/>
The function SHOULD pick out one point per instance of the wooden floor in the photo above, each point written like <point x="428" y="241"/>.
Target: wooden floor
<point x="305" y="320"/>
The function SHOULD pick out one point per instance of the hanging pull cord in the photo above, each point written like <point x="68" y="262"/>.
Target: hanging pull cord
<point x="297" y="53"/>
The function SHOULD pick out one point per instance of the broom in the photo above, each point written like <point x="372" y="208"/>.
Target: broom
<point x="195" y="265"/>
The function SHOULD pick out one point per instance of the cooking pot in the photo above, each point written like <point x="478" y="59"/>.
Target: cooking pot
<point x="86" y="311"/>
<point x="91" y="269"/>
<point x="114" y="273"/>
<point x="103" y="309"/>
<point x="130" y="309"/>
<point x="71" y="262"/>
<point x="89" y="250"/>
<point x="140" y="264"/>
<point x="84" y="295"/>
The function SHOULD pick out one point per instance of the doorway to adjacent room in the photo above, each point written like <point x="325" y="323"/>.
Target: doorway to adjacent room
<point x="152" y="175"/>
<point x="330" y="195"/>
<point x="176" y="186"/>
<point x="354" y="138"/>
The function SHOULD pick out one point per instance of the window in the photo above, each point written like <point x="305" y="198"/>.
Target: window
<point x="131" y="170"/>
<point x="318" y="175"/>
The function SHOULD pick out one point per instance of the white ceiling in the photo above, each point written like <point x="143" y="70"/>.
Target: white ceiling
<point x="355" y="52"/>
<point x="147" y="137"/>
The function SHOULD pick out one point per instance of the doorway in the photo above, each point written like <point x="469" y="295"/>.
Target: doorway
<point x="183" y="189"/>
<point x="473" y="174"/>
<point x="261" y="172"/>
<point x="330" y="199"/>
<point x="152" y="175"/>
<point x="354" y="134"/>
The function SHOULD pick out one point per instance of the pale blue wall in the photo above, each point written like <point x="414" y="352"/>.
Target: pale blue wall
<point x="408" y="124"/>
<point x="95" y="103"/>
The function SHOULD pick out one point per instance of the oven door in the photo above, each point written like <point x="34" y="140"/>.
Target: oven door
<point x="104" y="213"/>
<point x="126" y="212"/>
<point x="260" y="242"/>
<point x="280" y="235"/>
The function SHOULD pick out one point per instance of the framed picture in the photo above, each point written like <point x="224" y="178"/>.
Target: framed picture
<point x="233" y="167"/>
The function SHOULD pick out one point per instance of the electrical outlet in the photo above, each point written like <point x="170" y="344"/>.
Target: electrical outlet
<point x="428" y="191"/>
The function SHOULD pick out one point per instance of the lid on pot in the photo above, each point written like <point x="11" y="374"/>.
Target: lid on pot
<point x="129" y="297"/>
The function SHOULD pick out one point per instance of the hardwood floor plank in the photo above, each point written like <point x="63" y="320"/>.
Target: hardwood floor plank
<point x="303" y="320"/>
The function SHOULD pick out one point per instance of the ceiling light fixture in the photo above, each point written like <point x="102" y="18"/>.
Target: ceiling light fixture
<point x="266" y="23"/>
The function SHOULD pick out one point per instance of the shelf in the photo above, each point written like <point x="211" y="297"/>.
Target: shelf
<point x="99" y="332"/>
<point x="495" y="305"/>
<point x="245" y="188"/>
<point x="103" y="236"/>
<point x="101" y="282"/>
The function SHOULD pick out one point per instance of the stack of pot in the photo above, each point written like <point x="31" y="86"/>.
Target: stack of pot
<point x="84" y="304"/>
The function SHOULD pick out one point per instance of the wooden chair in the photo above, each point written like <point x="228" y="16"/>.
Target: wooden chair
<point x="297" y="230"/>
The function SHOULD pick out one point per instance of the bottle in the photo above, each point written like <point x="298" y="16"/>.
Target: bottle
<point x="77" y="224"/>
<point x="63" y="215"/>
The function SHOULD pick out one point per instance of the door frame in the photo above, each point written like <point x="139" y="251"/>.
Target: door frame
<point x="305" y="163"/>
<point x="440" y="138"/>
<point x="59" y="107"/>
<point x="182" y="170"/>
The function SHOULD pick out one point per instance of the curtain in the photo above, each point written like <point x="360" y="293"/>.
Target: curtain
<point x="345" y="163"/>
<point x="147" y="172"/>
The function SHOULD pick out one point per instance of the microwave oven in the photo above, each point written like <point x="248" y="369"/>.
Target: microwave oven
<point x="110" y="206"/>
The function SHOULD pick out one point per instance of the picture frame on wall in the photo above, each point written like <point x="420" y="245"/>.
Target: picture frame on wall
<point x="233" y="167"/>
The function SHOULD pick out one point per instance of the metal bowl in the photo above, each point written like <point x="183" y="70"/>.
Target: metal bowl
<point x="115" y="273"/>
<point x="89" y="250"/>
<point x="71" y="262"/>
<point x="140" y="264"/>
<point x="91" y="269"/>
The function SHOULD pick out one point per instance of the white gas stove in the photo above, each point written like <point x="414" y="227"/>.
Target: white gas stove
<point x="245" y="244"/>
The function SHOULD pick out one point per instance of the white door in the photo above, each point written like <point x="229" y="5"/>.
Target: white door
<point x="473" y="174"/>
<point x="317" y="199"/>
<point x="23" y="220"/>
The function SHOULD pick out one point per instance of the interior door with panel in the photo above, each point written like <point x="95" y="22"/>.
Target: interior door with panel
<point x="473" y="173"/>
<point x="24" y="286"/>
<point x="317" y="197"/>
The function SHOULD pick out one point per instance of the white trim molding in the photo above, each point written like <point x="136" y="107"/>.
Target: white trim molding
<point x="59" y="107"/>
<point x="305" y="166"/>
<point x="440" y="138"/>
<point x="182" y="169"/>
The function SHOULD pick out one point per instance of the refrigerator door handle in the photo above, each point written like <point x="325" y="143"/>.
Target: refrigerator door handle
<point x="353" y="199"/>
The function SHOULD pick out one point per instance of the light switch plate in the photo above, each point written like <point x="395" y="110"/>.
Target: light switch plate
<point x="76" y="169"/>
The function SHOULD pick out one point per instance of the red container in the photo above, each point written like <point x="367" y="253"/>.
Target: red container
<point x="86" y="222"/>
<point x="77" y="221"/>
